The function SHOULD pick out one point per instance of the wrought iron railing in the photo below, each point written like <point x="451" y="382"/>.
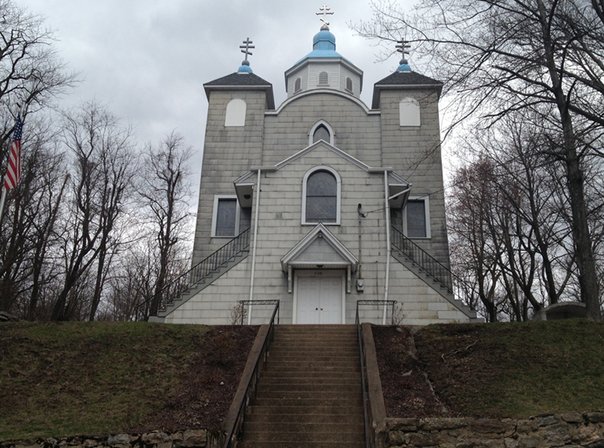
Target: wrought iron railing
<point x="250" y="391"/>
<point x="201" y="270"/>
<point x="367" y="415"/>
<point x="423" y="260"/>
<point x="245" y="307"/>
<point x="380" y="310"/>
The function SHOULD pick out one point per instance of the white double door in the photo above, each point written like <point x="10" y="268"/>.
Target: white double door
<point x="319" y="297"/>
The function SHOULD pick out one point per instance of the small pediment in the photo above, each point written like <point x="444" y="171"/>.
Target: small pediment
<point x="319" y="249"/>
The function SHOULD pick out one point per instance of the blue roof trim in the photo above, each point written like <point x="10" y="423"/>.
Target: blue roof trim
<point x="323" y="54"/>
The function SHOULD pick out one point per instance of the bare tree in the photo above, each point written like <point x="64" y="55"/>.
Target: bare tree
<point x="132" y="281"/>
<point x="500" y="56"/>
<point x="30" y="73"/>
<point x="164" y="191"/>
<point x="29" y="220"/>
<point x="102" y="173"/>
<point x="475" y="245"/>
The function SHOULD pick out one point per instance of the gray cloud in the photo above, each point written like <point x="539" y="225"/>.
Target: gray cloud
<point x="147" y="60"/>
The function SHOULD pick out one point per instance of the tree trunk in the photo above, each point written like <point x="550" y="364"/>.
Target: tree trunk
<point x="588" y="281"/>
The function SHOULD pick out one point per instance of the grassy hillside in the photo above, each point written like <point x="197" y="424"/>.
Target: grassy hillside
<point x="495" y="370"/>
<point x="98" y="378"/>
<point x="94" y="378"/>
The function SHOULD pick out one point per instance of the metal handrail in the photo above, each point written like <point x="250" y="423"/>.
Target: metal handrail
<point x="201" y="270"/>
<point x="426" y="262"/>
<point x="368" y="428"/>
<point x="377" y="303"/>
<point x="259" y="302"/>
<point x="250" y="391"/>
<point x="367" y="416"/>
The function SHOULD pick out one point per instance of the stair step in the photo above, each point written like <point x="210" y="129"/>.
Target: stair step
<point x="312" y="402"/>
<point x="330" y="409"/>
<point x="324" y="388"/>
<point x="317" y="356"/>
<point x="286" y="418"/>
<point x="316" y="344"/>
<point x="356" y="427"/>
<point x="325" y="327"/>
<point x="305" y="437"/>
<point x="345" y="363"/>
<point x="311" y="351"/>
<point x="299" y="445"/>
<point x="292" y="381"/>
<point x="323" y="376"/>
<point x="305" y="366"/>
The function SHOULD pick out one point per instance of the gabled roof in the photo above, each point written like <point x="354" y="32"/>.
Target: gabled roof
<point x="302" y="254"/>
<point x="242" y="81"/>
<point x="322" y="143"/>
<point x="244" y="183"/>
<point x="404" y="80"/>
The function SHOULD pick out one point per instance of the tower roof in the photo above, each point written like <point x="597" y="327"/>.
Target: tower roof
<point x="242" y="81"/>
<point x="400" y="80"/>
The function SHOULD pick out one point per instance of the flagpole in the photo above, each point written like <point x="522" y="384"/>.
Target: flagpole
<point x="2" y="199"/>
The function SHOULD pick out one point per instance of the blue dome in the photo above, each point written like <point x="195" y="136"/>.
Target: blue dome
<point x="404" y="66"/>
<point x="245" y="67"/>
<point x="324" y="40"/>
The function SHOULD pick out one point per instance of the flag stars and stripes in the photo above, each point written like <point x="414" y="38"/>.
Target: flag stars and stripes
<point x="13" y="170"/>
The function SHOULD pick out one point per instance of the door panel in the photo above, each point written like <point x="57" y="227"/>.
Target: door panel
<point x="308" y="300"/>
<point x="319" y="297"/>
<point x="330" y="300"/>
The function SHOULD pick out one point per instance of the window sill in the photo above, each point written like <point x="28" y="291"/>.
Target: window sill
<point x="317" y="223"/>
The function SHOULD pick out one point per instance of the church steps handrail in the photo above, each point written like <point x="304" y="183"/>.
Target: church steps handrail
<point x="201" y="270"/>
<point x="373" y="403"/>
<point x="246" y="391"/>
<point x="426" y="262"/>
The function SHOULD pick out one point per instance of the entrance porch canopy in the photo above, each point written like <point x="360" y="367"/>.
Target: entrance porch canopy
<point x="319" y="249"/>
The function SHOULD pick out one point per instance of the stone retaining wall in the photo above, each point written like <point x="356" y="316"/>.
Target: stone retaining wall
<point x="544" y="431"/>
<point x="154" y="439"/>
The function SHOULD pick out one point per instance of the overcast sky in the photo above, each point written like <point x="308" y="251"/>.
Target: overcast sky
<point x="146" y="60"/>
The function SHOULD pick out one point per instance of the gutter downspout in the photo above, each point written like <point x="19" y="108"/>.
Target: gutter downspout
<point x="388" y="249"/>
<point x="257" y="212"/>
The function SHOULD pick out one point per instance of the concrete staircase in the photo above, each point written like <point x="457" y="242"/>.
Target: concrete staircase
<point x="309" y="394"/>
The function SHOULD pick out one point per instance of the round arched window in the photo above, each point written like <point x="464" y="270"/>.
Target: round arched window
<point x="321" y="197"/>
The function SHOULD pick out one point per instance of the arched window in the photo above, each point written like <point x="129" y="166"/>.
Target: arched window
<point x="321" y="130"/>
<point x="235" y="113"/>
<point x="409" y="112"/>
<point x="323" y="78"/>
<point x="321" y="133"/>
<point x="297" y="85"/>
<point x="349" y="84"/>
<point x="321" y="201"/>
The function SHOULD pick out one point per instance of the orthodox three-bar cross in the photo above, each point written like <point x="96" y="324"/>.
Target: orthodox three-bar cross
<point x="324" y="11"/>
<point x="245" y="48"/>
<point x="403" y="47"/>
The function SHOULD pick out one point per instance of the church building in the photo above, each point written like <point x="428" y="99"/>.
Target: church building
<point x="321" y="201"/>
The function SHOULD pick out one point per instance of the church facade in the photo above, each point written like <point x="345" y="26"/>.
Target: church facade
<point x="321" y="201"/>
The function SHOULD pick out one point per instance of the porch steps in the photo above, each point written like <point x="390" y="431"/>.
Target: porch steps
<point x="309" y="394"/>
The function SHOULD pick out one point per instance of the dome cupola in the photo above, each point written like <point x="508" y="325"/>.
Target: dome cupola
<point x="324" y="68"/>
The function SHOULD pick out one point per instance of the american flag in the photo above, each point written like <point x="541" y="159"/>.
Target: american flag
<point x="13" y="170"/>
